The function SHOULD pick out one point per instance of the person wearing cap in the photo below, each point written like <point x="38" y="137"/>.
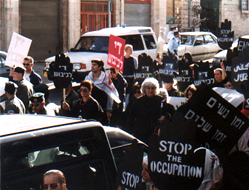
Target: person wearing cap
<point x="25" y="88"/>
<point x="12" y="104"/>
<point x="174" y="43"/>
<point x="38" y="103"/>
<point x="87" y="107"/>
<point x="171" y="33"/>
<point x="30" y="75"/>
<point x="170" y="89"/>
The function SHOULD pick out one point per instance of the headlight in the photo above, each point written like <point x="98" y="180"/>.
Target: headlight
<point x="76" y="66"/>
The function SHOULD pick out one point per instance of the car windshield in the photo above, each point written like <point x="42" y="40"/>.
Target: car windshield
<point x="187" y="40"/>
<point x="92" y="43"/>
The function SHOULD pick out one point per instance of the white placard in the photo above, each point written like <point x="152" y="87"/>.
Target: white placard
<point x="176" y="101"/>
<point x="18" y="49"/>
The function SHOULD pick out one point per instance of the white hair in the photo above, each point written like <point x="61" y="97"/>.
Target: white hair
<point x="150" y="82"/>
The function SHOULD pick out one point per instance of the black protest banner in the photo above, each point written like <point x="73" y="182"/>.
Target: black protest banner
<point x="219" y="124"/>
<point x="225" y="35"/>
<point x="146" y="67"/>
<point x="172" y="162"/>
<point x="204" y="74"/>
<point x="243" y="43"/>
<point x="168" y="68"/>
<point x="240" y="72"/>
<point x="60" y="71"/>
<point x="129" y="172"/>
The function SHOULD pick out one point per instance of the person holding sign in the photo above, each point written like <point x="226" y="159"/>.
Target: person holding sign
<point x="220" y="76"/>
<point x="148" y="111"/>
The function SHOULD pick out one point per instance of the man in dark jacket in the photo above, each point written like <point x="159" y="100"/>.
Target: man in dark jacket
<point x="30" y="75"/>
<point x="86" y="106"/>
<point x="12" y="104"/>
<point x="25" y="88"/>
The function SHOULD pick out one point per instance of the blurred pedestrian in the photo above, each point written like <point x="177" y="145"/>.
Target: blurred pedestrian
<point x="148" y="111"/>
<point x="25" y="88"/>
<point x="13" y="104"/>
<point x="130" y="65"/>
<point x="54" y="179"/>
<point x="120" y="84"/>
<point x="86" y="106"/>
<point x="103" y="90"/>
<point x="145" y="174"/>
<point x="30" y="75"/>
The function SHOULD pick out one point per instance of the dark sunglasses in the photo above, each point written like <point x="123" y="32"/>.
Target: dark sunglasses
<point x="35" y="105"/>
<point x="83" y="90"/>
<point x="137" y="92"/>
<point x="24" y="64"/>
<point x="52" y="186"/>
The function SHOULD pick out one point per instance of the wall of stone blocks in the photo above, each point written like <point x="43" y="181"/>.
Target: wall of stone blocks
<point x="240" y="20"/>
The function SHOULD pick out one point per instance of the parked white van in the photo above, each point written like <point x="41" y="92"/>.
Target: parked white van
<point x="95" y="44"/>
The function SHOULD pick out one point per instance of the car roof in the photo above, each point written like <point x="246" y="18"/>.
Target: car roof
<point x="118" y="137"/>
<point x="15" y="125"/>
<point x="195" y="33"/>
<point x="119" y="31"/>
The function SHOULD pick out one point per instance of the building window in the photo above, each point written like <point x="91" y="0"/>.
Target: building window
<point x="244" y="5"/>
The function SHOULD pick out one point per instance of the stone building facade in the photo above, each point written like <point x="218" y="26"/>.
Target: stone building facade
<point x="56" y="25"/>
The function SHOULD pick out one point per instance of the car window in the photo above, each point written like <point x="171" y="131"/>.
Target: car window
<point x="187" y="40"/>
<point x="149" y="42"/>
<point x="93" y="43"/>
<point x="208" y="39"/>
<point x="76" y="153"/>
<point x="135" y="41"/>
<point x="199" y="40"/>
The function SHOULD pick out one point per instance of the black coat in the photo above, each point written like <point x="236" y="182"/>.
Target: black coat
<point x="143" y="117"/>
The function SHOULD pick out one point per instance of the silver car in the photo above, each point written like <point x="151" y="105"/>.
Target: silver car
<point x="197" y="46"/>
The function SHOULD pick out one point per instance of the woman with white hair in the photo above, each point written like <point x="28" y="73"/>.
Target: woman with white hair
<point x="148" y="111"/>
